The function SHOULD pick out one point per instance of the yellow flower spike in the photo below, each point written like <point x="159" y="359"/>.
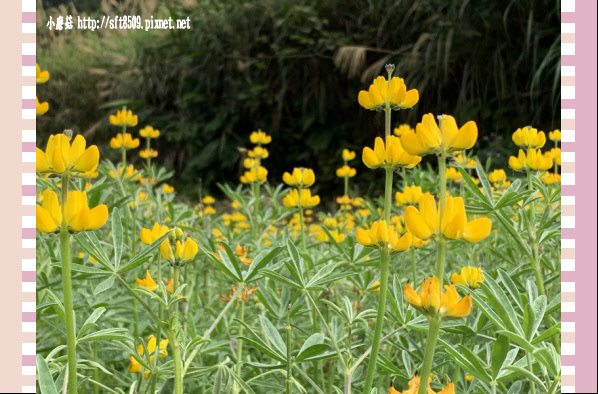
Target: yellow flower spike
<point x="135" y="366"/>
<point x="469" y="276"/>
<point x="528" y="137"/>
<point x="518" y="163"/>
<point x="409" y="196"/>
<point x="148" y="153"/>
<point x="258" y="152"/>
<point x="555" y="154"/>
<point x="62" y="156"/>
<point x="258" y="174"/>
<point x="48" y="217"/>
<point x="300" y="177"/>
<point x="452" y="174"/>
<point x="433" y="302"/>
<point x="130" y="173"/>
<point x="382" y="235"/>
<point x="124" y="117"/>
<point x="208" y="200"/>
<point x="41" y="76"/>
<point x="414" y="387"/>
<point x="390" y="154"/>
<point x="41" y="108"/>
<point x="148" y="236"/>
<point x="423" y="223"/>
<point x="398" y="131"/>
<point x="555" y="135"/>
<point x="497" y="176"/>
<point x="382" y="93"/>
<point x="538" y="161"/>
<point x="167" y="189"/>
<point x="149" y="132"/>
<point x="127" y="142"/>
<point x="346" y="172"/>
<point x="260" y="138"/>
<point x="147" y="282"/>
<point x="430" y="138"/>
<point x="550" y="178"/>
<point x="190" y="249"/>
<point x="464" y="161"/>
<point x="469" y="378"/>
<point x="209" y="211"/>
<point x="348" y="155"/>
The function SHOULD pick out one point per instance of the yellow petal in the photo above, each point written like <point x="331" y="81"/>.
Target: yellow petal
<point x="477" y="230"/>
<point x="89" y="160"/>
<point x="190" y="249"/>
<point x="369" y="158"/>
<point x="97" y="217"/>
<point x="44" y="221"/>
<point x="364" y="100"/>
<point x="466" y="137"/>
<point x="416" y="223"/>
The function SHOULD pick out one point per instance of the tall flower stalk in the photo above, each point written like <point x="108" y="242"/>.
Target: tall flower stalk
<point x="385" y="95"/>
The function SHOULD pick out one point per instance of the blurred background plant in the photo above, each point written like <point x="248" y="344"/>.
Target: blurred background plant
<point x="293" y="68"/>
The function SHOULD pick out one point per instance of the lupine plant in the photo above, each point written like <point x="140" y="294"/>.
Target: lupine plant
<point x="446" y="283"/>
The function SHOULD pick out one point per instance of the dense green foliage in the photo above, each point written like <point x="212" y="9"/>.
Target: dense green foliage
<point x="294" y="69"/>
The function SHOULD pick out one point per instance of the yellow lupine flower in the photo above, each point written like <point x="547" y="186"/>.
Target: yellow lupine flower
<point x="62" y="156"/>
<point x="382" y="93"/>
<point x="300" y="177"/>
<point x="41" y="108"/>
<point x="151" y="348"/>
<point x="464" y="161"/>
<point x="124" y="117"/>
<point x="555" y="135"/>
<point x="409" y="196"/>
<point x="549" y="178"/>
<point x="250" y="163"/>
<point x="167" y="189"/>
<point x="77" y="214"/>
<point x="534" y="160"/>
<point x="182" y="252"/>
<point x="424" y="223"/>
<point x="469" y="276"/>
<point x="528" y="137"/>
<point x="430" y="138"/>
<point x="398" y="131"/>
<point x="348" y="155"/>
<point x="259" y="174"/>
<point x="431" y="301"/>
<point x="469" y="378"/>
<point x="346" y="172"/>
<point x="148" y="236"/>
<point x="149" y="132"/>
<point x="209" y="211"/>
<point x="130" y="173"/>
<point x="258" y="152"/>
<point x="389" y="155"/>
<point x="497" y="176"/>
<point x="41" y="76"/>
<point x="260" y="138"/>
<point x="451" y="173"/>
<point x="382" y="235"/>
<point x="145" y="153"/>
<point x="147" y="282"/>
<point x="244" y="296"/>
<point x="555" y="154"/>
<point x="208" y="200"/>
<point x="414" y="388"/>
<point x="293" y="199"/>
<point x="127" y="142"/>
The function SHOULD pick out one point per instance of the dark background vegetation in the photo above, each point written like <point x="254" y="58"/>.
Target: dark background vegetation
<point x="294" y="68"/>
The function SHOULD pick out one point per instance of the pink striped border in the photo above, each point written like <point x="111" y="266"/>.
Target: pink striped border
<point x="578" y="283"/>
<point x="28" y="273"/>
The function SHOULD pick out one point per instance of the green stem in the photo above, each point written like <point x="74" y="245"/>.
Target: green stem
<point x="531" y="369"/>
<point x="176" y="347"/>
<point x="158" y="330"/>
<point x="289" y="382"/>
<point x="148" y="159"/>
<point x="123" y="150"/>
<point x="301" y="223"/>
<point x="441" y="255"/>
<point x="135" y="319"/>
<point x="240" y="341"/>
<point x="413" y="266"/>
<point x="346" y="186"/>
<point x="388" y="195"/>
<point x="434" y="327"/>
<point x="255" y="211"/>
<point x="384" y="260"/>
<point x="65" y="254"/>
<point x="96" y="372"/>
<point x="554" y="385"/>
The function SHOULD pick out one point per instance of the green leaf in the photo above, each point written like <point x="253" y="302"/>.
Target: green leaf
<point x="223" y="265"/>
<point x="510" y="286"/>
<point x="44" y="377"/>
<point x="312" y="351"/>
<point x="113" y="334"/>
<point x="467" y="365"/>
<point x="554" y="330"/>
<point x="273" y="335"/>
<point x="499" y="353"/>
<point x="143" y="255"/>
<point x="502" y="304"/>
<point x="117" y="236"/>
<point x="91" y="321"/>
<point x="229" y="258"/>
<point x="475" y="189"/>
<point x="241" y="382"/>
<point x="93" y="248"/>
<point x="260" y="261"/>
<point x="528" y="375"/>
<point x="104" y="285"/>
<point x="263" y="347"/>
<point x="537" y="309"/>
<point x="518" y="339"/>
<point x="484" y="181"/>
<point x="278" y="277"/>
<point x="88" y="270"/>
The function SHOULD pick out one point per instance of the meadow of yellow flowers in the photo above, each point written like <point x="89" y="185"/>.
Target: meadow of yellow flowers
<point x="446" y="283"/>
